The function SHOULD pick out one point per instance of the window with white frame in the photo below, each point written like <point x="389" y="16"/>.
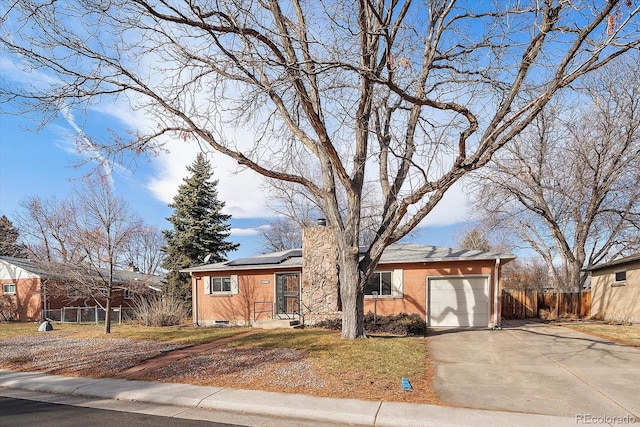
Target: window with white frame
<point x="379" y="282"/>
<point x="227" y="285"/>
<point x="619" y="276"/>
<point x="128" y="294"/>
<point x="219" y="284"/>
<point x="9" y="288"/>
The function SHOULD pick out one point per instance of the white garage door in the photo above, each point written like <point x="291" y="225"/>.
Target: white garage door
<point x="458" y="301"/>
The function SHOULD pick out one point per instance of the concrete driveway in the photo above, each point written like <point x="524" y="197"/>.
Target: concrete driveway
<point x="538" y="368"/>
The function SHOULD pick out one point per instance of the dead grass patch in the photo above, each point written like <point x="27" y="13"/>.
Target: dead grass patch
<point x="623" y="334"/>
<point x="21" y="329"/>
<point x="309" y="361"/>
<point x="370" y="368"/>
<point x="183" y="334"/>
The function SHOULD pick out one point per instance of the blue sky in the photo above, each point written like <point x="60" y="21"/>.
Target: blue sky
<point x="42" y="164"/>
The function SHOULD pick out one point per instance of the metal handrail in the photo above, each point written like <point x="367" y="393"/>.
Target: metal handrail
<point x="256" y="311"/>
<point x="299" y="312"/>
<point x="296" y="312"/>
<point x="273" y="309"/>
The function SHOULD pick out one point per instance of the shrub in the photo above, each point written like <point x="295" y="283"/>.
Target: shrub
<point x="619" y="318"/>
<point x="8" y="308"/>
<point x="547" y="315"/>
<point x="160" y="310"/>
<point x="396" y="324"/>
<point x="334" y="324"/>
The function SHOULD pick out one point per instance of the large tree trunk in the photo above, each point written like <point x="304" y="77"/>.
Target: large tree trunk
<point x="107" y="315"/>
<point x="107" y="311"/>
<point x="352" y="304"/>
<point x="575" y="277"/>
<point x="352" y="294"/>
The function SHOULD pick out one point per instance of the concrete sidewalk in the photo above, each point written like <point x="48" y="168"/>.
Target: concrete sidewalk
<point x="259" y="403"/>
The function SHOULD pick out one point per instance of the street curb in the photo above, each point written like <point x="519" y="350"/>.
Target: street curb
<point x="283" y="405"/>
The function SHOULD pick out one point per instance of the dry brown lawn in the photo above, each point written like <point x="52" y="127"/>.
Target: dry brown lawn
<point x="623" y="334"/>
<point x="309" y="361"/>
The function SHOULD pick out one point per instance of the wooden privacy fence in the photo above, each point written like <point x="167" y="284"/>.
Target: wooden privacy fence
<point x="527" y="304"/>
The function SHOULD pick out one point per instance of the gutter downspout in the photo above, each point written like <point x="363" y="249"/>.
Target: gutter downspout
<point x="496" y="282"/>
<point x="194" y="299"/>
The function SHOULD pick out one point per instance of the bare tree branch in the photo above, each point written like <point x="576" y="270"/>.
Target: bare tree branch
<point x="431" y="90"/>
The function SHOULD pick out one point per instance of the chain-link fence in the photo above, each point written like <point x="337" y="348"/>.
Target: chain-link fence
<point x="89" y="314"/>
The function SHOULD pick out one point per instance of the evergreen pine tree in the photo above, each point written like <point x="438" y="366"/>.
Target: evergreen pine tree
<point x="199" y="228"/>
<point x="9" y="239"/>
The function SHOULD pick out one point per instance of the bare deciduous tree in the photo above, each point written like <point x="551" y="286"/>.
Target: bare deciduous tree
<point x="298" y="208"/>
<point x="527" y="273"/>
<point x="247" y="293"/>
<point x="143" y="251"/>
<point x="570" y="187"/>
<point x="47" y="230"/>
<point x="281" y="234"/>
<point x="474" y="238"/>
<point x="408" y="96"/>
<point x="104" y="226"/>
<point x="84" y="237"/>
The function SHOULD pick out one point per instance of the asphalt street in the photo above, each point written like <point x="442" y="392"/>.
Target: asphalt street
<point x="27" y="411"/>
<point x="22" y="412"/>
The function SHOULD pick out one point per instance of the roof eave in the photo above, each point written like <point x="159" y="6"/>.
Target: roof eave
<point x="202" y="269"/>
<point x="614" y="263"/>
<point x="220" y="268"/>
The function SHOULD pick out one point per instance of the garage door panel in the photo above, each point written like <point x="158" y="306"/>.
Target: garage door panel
<point x="460" y="301"/>
<point x="438" y="306"/>
<point x="456" y="320"/>
<point x="478" y="309"/>
<point x="477" y="283"/>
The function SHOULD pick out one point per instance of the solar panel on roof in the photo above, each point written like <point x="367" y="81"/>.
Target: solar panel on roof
<point x="262" y="260"/>
<point x="255" y="261"/>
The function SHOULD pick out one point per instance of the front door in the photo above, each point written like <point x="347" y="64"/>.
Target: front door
<point x="288" y="294"/>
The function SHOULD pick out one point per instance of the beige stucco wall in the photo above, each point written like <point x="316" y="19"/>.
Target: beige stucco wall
<point x="620" y="302"/>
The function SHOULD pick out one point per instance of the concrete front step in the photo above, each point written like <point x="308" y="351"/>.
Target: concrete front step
<point x="278" y="324"/>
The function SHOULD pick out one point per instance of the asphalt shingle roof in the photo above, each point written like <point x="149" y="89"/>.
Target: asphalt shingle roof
<point x="53" y="270"/>
<point x="393" y="254"/>
<point x="613" y="263"/>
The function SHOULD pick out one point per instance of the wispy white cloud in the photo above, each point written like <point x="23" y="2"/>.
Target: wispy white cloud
<point x="237" y="232"/>
<point x="84" y="144"/>
<point x="17" y="73"/>
<point x="240" y="191"/>
<point x="454" y="208"/>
